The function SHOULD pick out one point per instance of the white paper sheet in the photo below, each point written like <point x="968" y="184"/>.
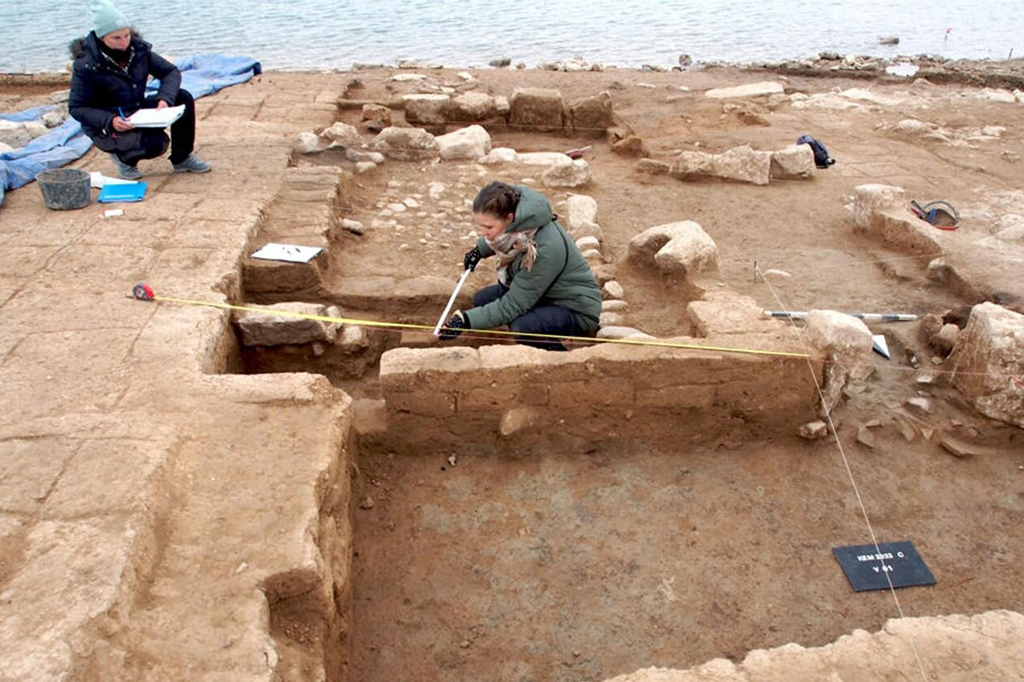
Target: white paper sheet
<point x="287" y="252"/>
<point x="97" y="180"/>
<point x="156" y="118"/>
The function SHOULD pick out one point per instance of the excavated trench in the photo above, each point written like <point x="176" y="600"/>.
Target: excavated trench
<point x="570" y="548"/>
<point x="522" y="515"/>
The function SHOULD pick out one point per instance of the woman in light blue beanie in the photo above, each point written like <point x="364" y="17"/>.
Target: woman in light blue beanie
<point x="108" y="85"/>
<point x="106" y="18"/>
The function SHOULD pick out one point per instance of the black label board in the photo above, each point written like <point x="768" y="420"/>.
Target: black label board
<point x="865" y="567"/>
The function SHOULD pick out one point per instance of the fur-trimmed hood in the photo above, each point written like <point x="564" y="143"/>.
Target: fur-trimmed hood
<point x="79" y="47"/>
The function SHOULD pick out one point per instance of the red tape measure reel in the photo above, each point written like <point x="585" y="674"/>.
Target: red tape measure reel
<point x="142" y="292"/>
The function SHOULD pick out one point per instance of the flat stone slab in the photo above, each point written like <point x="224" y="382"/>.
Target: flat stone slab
<point x="761" y="89"/>
<point x="277" y="327"/>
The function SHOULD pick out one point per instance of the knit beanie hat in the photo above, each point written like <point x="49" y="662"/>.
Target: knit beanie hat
<point x="106" y="18"/>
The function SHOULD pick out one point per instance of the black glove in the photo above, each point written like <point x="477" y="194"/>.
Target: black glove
<point x="454" y="326"/>
<point x="473" y="257"/>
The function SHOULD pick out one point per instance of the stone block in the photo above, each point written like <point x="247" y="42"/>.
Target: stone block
<point x="377" y="112"/>
<point x="875" y="198"/>
<point x="761" y="89"/>
<point x="472" y="107"/>
<point x="652" y="167"/>
<point x="399" y="365"/>
<point x="611" y="319"/>
<point x="591" y="116"/>
<point x="406" y="144"/>
<point x="499" y="155"/>
<point x="621" y="333"/>
<point x="881" y="211"/>
<point x="278" y="277"/>
<point x="542" y="158"/>
<point x="845" y="342"/>
<point x="308" y="143"/>
<point x="631" y="146"/>
<point x="989" y="362"/>
<point x="579" y="207"/>
<point x="587" y="243"/>
<point x="690" y="252"/>
<point x="645" y="245"/>
<point x="427" y="109"/>
<point x="743" y="164"/>
<point x="613" y="290"/>
<point x="342" y="135"/>
<point x="277" y="327"/>
<point x="536" y="109"/>
<point x="795" y="161"/>
<point x="584" y="229"/>
<point x="726" y="312"/>
<point x="470" y="143"/>
<point x="689" y="164"/>
<point x="567" y="174"/>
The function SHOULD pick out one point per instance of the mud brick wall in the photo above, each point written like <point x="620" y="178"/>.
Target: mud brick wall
<point x="451" y="396"/>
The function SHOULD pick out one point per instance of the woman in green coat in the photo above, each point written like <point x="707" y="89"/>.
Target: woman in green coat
<point x="545" y="286"/>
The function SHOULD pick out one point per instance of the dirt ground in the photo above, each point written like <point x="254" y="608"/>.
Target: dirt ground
<point x="551" y="565"/>
<point x="547" y="565"/>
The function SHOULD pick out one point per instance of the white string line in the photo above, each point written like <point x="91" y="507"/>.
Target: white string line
<point x="842" y="264"/>
<point x="853" y="482"/>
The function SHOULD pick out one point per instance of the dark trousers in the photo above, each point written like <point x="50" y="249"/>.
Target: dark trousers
<point x="544" y="319"/>
<point x="154" y="140"/>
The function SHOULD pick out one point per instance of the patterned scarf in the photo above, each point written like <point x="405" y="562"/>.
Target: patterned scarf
<point x="508" y="245"/>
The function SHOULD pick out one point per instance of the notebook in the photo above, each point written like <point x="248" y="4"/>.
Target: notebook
<point x="287" y="252"/>
<point x="156" y="118"/>
<point x="118" y="193"/>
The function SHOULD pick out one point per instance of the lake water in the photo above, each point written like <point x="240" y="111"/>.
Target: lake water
<point x="323" y="34"/>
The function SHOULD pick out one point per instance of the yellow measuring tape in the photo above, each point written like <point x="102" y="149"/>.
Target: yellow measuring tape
<point x="496" y="332"/>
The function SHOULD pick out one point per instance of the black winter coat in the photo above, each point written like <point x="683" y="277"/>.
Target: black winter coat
<point x="99" y="86"/>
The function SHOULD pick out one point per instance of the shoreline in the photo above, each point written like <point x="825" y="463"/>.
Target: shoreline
<point x="1006" y="73"/>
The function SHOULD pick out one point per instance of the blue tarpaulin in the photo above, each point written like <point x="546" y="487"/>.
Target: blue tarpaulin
<point x="33" y="114"/>
<point x="201" y="75"/>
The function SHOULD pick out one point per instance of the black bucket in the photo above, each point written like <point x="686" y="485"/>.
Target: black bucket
<point x="65" y="188"/>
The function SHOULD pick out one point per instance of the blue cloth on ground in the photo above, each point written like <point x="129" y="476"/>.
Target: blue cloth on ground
<point x="201" y="75"/>
<point x="33" y="114"/>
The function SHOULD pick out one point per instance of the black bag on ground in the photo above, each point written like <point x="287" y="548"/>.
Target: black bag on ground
<point x="821" y="157"/>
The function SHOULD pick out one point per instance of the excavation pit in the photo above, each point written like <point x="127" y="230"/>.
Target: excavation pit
<point x="521" y="515"/>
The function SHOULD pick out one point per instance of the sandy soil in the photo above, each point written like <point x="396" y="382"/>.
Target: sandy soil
<point x="521" y="566"/>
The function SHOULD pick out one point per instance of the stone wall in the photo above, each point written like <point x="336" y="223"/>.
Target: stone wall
<point x="460" y="395"/>
<point x="949" y="648"/>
